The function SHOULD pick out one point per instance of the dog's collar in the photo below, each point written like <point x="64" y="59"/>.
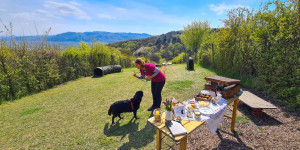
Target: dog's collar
<point x="132" y="103"/>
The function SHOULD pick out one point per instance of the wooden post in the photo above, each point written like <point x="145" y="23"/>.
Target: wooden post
<point x="158" y="139"/>
<point x="183" y="143"/>
<point x="234" y="113"/>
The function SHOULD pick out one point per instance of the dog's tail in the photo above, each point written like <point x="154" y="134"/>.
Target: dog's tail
<point x="109" y="111"/>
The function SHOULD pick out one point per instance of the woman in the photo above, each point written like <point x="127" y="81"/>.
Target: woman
<point x="157" y="78"/>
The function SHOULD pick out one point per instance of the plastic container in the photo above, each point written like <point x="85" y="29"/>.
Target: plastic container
<point x="219" y="97"/>
<point x="197" y="115"/>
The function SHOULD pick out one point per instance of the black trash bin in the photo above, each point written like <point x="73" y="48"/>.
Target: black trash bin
<point x="190" y="64"/>
<point x="100" y="71"/>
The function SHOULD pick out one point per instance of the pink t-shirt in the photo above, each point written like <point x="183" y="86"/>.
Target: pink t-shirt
<point x="149" y="70"/>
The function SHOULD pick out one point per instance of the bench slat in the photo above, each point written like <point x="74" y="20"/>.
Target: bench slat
<point x="254" y="101"/>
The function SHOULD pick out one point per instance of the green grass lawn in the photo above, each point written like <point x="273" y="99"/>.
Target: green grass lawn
<point x="74" y="115"/>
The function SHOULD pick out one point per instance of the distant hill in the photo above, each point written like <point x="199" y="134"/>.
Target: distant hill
<point x="96" y="36"/>
<point x="165" y="46"/>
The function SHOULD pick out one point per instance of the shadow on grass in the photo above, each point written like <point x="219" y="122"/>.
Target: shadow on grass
<point x="264" y="120"/>
<point x="229" y="144"/>
<point x="137" y="139"/>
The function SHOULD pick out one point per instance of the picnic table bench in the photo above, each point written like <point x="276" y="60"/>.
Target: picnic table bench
<point x="256" y="103"/>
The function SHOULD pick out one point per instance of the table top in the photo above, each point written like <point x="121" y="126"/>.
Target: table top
<point x="190" y="126"/>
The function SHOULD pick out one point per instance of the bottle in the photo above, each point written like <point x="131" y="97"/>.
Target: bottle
<point x="219" y="97"/>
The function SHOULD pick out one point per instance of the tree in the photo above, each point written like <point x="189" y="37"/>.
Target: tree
<point x="194" y="34"/>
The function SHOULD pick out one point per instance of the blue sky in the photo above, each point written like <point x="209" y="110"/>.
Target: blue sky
<point x="137" y="16"/>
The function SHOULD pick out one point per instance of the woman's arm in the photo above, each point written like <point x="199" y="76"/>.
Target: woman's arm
<point x="156" y="71"/>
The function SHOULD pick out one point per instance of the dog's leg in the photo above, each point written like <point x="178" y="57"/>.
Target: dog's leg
<point x="113" y="117"/>
<point x="120" y="116"/>
<point x="134" y="113"/>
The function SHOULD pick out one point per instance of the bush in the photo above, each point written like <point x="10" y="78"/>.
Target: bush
<point x="179" y="59"/>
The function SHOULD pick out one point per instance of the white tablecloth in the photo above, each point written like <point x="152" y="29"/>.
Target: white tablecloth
<point x="214" y="120"/>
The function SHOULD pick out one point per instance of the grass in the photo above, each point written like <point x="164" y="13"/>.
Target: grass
<point x="74" y="115"/>
<point x="242" y="119"/>
<point x="239" y="132"/>
<point x="26" y="112"/>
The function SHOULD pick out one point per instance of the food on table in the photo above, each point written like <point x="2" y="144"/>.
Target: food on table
<point x="197" y="115"/>
<point x="190" y="107"/>
<point x="191" y="102"/>
<point x="178" y="104"/>
<point x="203" y="103"/>
<point x="203" y="97"/>
<point x="157" y="112"/>
<point x="194" y="105"/>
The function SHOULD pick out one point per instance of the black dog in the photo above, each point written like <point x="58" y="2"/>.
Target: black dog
<point x="131" y="105"/>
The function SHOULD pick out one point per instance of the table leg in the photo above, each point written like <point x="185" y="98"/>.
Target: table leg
<point x="234" y="113"/>
<point x="183" y="143"/>
<point x="158" y="139"/>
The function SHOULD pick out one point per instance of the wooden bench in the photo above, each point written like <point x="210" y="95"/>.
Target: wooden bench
<point x="256" y="103"/>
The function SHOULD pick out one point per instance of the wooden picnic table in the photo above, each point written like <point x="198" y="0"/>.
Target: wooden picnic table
<point x="190" y="126"/>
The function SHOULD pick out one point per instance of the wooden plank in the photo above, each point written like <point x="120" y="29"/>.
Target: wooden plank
<point x="254" y="101"/>
<point x="183" y="143"/>
<point x="234" y="114"/>
<point x="222" y="80"/>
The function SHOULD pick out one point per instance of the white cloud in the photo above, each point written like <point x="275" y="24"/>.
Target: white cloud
<point x="46" y="13"/>
<point x="221" y="8"/>
<point x="120" y="9"/>
<point x="28" y="16"/>
<point x="75" y="3"/>
<point x="67" y="9"/>
<point x="3" y="10"/>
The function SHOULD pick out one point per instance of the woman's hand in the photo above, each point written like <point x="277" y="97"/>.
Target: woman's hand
<point x="134" y="74"/>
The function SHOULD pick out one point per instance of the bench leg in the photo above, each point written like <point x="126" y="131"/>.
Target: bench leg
<point x="234" y="114"/>
<point x="257" y="112"/>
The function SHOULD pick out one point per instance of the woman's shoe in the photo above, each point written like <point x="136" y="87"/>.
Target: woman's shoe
<point x="151" y="108"/>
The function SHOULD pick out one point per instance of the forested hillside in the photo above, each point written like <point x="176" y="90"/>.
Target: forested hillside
<point x="156" y="48"/>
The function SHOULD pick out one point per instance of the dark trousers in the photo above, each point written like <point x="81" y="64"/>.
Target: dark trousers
<point x="156" y="88"/>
